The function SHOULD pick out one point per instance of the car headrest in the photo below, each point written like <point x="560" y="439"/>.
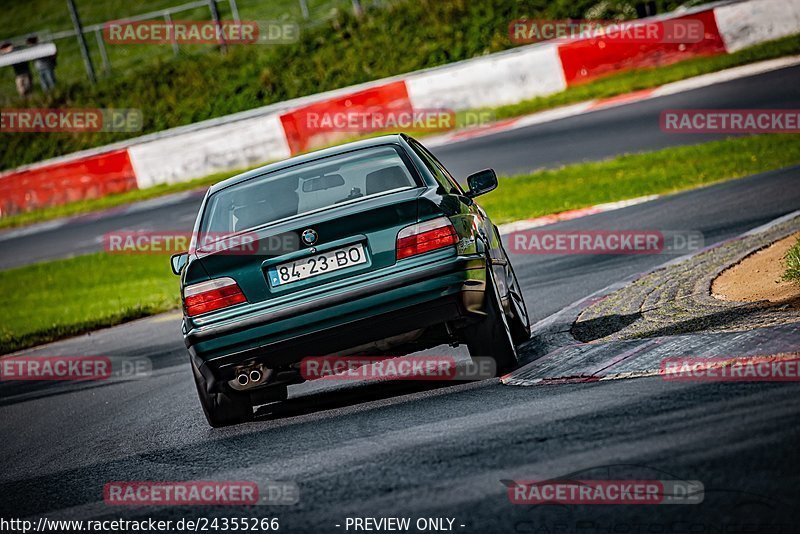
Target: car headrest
<point x="283" y="203"/>
<point x="386" y="179"/>
<point x="270" y="202"/>
<point x="249" y="216"/>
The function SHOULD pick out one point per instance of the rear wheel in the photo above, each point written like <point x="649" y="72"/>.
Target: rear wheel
<point x="492" y="335"/>
<point x="222" y="409"/>
<point x="519" y="322"/>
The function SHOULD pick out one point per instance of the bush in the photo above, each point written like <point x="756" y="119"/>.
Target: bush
<point x="792" y="260"/>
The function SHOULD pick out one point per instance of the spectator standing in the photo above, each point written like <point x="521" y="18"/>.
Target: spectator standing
<point x="45" y="66"/>
<point x="22" y="72"/>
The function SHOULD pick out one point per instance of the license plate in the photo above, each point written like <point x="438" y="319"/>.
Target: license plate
<point x="326" y="262"/>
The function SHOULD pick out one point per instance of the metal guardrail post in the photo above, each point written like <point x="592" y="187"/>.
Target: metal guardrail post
<point x="234" y="10"/>
<point x="103" y="52"/>
<point x="175" y="47"/>
<point x="212" y="5"/>
<point x="87" y="59"/>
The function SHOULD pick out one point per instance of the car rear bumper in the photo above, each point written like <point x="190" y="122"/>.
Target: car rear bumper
<point x="447" y="289"/>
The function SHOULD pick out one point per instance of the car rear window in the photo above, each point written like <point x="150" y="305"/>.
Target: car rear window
<point x="317" y="185"/>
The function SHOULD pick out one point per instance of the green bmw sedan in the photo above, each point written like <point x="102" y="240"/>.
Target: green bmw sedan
<point x="368" y="248"/>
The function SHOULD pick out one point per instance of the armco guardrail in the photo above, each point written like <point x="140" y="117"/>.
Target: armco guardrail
<point x="280" y="130"/>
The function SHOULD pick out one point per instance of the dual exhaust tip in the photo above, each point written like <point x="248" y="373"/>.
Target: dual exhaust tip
<point x="250" y="377"/>
<point x="244" y="378"/>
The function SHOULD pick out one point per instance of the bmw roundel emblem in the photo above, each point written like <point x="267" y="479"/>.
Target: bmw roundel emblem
<point x="309" y="236"/>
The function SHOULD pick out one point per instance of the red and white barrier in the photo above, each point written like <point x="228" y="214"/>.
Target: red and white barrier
<point x="587" y="59"/>
<point x="744" y="24"/>
<point x="278" y="131"/>
<point x="503" y="78"/>
<point x="301" y="125"/>
<point x="54" y="184"/>
<point x="200" y="152"/>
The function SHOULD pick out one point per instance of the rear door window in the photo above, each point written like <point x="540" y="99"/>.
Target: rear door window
<point x="440" y="174"/>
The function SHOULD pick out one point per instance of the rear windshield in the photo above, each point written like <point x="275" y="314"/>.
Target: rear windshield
<point x="317" y="185"/>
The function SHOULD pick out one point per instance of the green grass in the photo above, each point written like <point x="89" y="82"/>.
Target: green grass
<point x="634" y="175"/>
<point x="792" y="259"/>
<point x="61" y="298"/>
<point x="57" y="299"/>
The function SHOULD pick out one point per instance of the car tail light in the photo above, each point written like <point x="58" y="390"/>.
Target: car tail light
<point x="212" y="295"/>
<point x="426" y="236"/>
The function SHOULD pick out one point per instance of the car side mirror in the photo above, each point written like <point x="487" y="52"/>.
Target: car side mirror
<point x="179" y="261"/>
<point x="481" y="182"/>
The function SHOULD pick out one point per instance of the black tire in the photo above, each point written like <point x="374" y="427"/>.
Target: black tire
<point x="520" y="322"/>
<point x="222" y="409"/>
<point x="492" y="335"/>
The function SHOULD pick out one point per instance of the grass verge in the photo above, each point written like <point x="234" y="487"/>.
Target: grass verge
<point x="792" y="259"/>
<point x="57" y="299"/>
<point x="105" y="289"/>
<point x="634" y="175"/>
<point x="603" y="88"/>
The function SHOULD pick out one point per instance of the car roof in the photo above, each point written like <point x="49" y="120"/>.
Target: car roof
<point x="310" y="156"/>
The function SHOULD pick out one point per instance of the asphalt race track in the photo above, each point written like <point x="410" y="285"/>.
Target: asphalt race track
<point x="589" y="137"/>
<point x="438" y="450"/>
